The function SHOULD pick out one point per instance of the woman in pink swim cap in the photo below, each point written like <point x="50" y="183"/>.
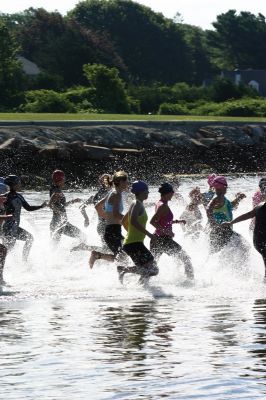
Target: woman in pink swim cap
<point x="219" y="182"/>
<point x="219" y="211"/>
<point x="210" y="179"/>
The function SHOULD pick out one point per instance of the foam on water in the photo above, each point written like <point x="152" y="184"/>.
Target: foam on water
<point x="54" y="271"/>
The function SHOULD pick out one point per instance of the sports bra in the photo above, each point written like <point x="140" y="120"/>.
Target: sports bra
<point x="108" y="207"/>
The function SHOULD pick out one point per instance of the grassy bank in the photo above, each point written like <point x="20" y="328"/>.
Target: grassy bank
<point x="119" y="117"/>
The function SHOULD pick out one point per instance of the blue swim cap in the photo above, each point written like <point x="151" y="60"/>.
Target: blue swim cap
<point x="12" y="180"/>
<point x="166" y="188"/>
<point x="139" y="187"/>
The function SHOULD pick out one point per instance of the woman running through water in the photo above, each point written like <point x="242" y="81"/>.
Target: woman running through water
<point x="220" y="210"/>
<point x="192" y="214"/>
<point x="259" y="233"/>
<point x="162" y="241"/>
<point x="111" y="208"/>
<point x="105" y="187"/>
<point x="145" y="266"/>
<point x="11" y="228"/>
<point x="59" y="224"/>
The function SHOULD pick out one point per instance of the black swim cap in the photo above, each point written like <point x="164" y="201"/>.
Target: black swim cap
<point x="166" y="188"/>
<point x="12" y="180"/>
<point x="262" y="182"/>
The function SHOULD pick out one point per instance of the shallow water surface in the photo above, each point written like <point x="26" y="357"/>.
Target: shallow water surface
<point x="68" y="332"/>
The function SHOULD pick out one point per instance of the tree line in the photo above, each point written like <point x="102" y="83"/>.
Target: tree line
<point x="120" y="56"/>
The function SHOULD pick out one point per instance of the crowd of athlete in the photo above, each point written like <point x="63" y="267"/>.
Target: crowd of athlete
<point x="109" y="204"/>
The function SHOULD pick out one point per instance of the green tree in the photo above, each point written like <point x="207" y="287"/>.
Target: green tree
<point x="11" y="73"/>
<point x="152" y="46"/>
<point x="239" y="41"/>
<point x="60" y="46"/>
<point x="201" y="58"/>
<point x="110" y="92"/>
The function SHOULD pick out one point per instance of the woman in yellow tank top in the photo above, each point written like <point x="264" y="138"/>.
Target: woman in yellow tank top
<point x="134" y="246"/>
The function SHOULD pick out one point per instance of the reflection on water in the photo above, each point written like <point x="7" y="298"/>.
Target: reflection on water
<point x="70" y="333"/>
<point x="258" y="350"/>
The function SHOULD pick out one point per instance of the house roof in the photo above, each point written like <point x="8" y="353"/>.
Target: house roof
<point x="28" y="66"/>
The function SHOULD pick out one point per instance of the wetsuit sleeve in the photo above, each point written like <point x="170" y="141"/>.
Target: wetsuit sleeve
<point x="27" y="207"/>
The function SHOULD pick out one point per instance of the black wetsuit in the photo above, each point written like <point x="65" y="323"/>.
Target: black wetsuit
<point x="3" y="249"/>
<point x="59" y="225"/>
<point x="11" y="229"/>
<point x="259" y="235"/>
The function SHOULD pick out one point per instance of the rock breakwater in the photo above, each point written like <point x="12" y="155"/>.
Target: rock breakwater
<point x="147" y="150"/>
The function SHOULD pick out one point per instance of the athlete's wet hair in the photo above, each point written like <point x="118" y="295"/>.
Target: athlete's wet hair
<point x="107" y="177"/>
<point x="120" y="176"/>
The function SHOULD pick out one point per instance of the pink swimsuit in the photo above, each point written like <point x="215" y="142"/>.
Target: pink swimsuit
<point x="257" y="198"/>
<point x="165" y="222"/>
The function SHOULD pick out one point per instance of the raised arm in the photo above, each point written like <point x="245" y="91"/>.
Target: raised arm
<point x="238" y="198"/>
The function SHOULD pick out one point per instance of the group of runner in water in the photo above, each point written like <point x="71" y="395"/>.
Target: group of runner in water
<point x="108" y="202"/>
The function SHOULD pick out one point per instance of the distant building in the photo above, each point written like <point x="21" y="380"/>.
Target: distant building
<point x="256" y="78"/>
<point x="30" y="68"/>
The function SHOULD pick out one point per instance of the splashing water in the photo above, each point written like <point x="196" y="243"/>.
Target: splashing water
<point x="70" y="332"/>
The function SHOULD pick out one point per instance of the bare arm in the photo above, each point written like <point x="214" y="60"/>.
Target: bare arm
<point x="238" y="198"/>
<point x="85" y="216"/>
<point x="134" y="213"/>
<point x="209" y="211"/>
<point x="125" y="221"/>
<point x="243" y="217"/>
<point x="99" y="207"/>
<point x="115" y="200"/>
<point x="77" y="200"/>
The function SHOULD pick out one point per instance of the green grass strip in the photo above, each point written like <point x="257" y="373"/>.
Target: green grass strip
<point x="119" y="117"/>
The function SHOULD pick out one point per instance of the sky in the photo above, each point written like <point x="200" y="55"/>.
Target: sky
<point x="194" y="12"/>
